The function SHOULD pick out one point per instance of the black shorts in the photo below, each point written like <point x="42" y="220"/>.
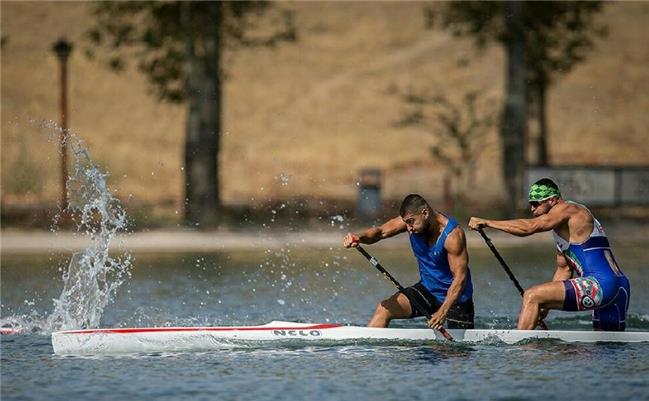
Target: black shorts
<point x="460" y="316"/>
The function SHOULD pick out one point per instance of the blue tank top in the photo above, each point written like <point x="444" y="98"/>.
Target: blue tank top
<point x="434" y="271"/>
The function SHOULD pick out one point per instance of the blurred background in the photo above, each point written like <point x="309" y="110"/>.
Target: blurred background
<point x="237" y="143"/>
<point x="209" y="114"/>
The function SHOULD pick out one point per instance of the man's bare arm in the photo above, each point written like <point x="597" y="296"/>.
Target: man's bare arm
<point x="525" y="227"/>
<point x="389" y="229"/>
<point x="563" y="271"/>
<point x="458" y="260"/>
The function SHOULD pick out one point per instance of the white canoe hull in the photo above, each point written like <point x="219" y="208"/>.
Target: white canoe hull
<point x="174" y="339"/>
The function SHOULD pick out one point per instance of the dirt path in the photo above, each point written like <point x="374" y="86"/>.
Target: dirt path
<point x="25" y="242"/>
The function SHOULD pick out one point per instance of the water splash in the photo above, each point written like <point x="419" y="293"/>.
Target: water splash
<point x="94" y="275"/>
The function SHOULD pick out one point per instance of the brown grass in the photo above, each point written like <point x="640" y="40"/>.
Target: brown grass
<point x="316" y="111"/>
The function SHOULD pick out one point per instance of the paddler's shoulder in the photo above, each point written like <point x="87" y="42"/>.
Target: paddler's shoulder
<point x="456" y="240"/>
<point x="569" y="208"/>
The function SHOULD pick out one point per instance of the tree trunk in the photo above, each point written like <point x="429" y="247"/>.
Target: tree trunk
<point x="542" y="145"/>
<point x="513" y="130"/>
<point x="203" y="124"/>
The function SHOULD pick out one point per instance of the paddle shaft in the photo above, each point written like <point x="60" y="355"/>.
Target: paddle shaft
<point x="507" y="269"/>
<point x="374" y="262"/>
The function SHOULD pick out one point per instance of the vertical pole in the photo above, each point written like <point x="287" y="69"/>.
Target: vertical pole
<point x="64" y="134"/>
<point x="62" y="48"/>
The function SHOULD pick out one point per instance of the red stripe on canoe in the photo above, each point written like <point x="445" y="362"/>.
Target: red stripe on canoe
<point x="174" y="329"/>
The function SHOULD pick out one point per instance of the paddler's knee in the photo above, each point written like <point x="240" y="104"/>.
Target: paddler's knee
<point x="385" y="307"/>
<point x="532" y="295"/>
<point x="382" y="308"/>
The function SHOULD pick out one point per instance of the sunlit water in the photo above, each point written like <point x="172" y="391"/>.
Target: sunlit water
<point x="241" y="288"/>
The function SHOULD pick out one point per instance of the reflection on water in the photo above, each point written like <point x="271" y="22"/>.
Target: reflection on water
<point x="434" y="353"/>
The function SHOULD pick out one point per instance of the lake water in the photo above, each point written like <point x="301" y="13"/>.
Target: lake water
<point x="255" y="287"/>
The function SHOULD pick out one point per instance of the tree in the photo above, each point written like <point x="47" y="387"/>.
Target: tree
<point x="513" y="125"/>
<point x="178" y="45"/>
<point x="562" y="35"/>
<point x="460" y="127"/>
<point x="542" y="40"/>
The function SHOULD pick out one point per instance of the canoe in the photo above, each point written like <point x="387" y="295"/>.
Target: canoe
<point x="183" y="339"/>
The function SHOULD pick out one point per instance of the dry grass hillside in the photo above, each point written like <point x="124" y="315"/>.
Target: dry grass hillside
<point x="302" y="119"/>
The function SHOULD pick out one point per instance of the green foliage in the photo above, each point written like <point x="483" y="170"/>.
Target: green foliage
<point x="482" y="20"/>
<point x="155" y="35"/>
<point x="558" y="34"/>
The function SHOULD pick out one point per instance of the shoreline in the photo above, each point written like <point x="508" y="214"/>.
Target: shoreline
<point x="168" y="241"/>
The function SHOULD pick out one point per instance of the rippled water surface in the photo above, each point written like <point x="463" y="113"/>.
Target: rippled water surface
<point x="255" y="287"/>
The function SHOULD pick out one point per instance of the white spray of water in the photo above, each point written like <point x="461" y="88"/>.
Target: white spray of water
<point x="94" y="275"/>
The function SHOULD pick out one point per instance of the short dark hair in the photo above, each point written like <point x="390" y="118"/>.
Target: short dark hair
<point x="412" y="203"/>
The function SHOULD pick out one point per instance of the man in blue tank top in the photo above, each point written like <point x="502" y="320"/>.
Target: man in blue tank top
<point x="439" y="244"/>
<point x="582" y="249"/>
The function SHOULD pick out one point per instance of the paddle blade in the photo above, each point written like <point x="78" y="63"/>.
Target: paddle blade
<point x="446" y="334"/>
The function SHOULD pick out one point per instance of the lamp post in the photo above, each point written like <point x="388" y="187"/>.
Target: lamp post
<point x="63" y="48"/>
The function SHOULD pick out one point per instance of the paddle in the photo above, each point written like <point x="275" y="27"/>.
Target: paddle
<point x="416" y="304"/>
<point x="507" y="269"/>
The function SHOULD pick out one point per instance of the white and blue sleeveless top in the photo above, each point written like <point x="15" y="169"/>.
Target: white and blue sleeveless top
<point x="592" y="257"/>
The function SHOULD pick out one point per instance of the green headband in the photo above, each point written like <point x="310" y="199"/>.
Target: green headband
<point x="542" y="192"/>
